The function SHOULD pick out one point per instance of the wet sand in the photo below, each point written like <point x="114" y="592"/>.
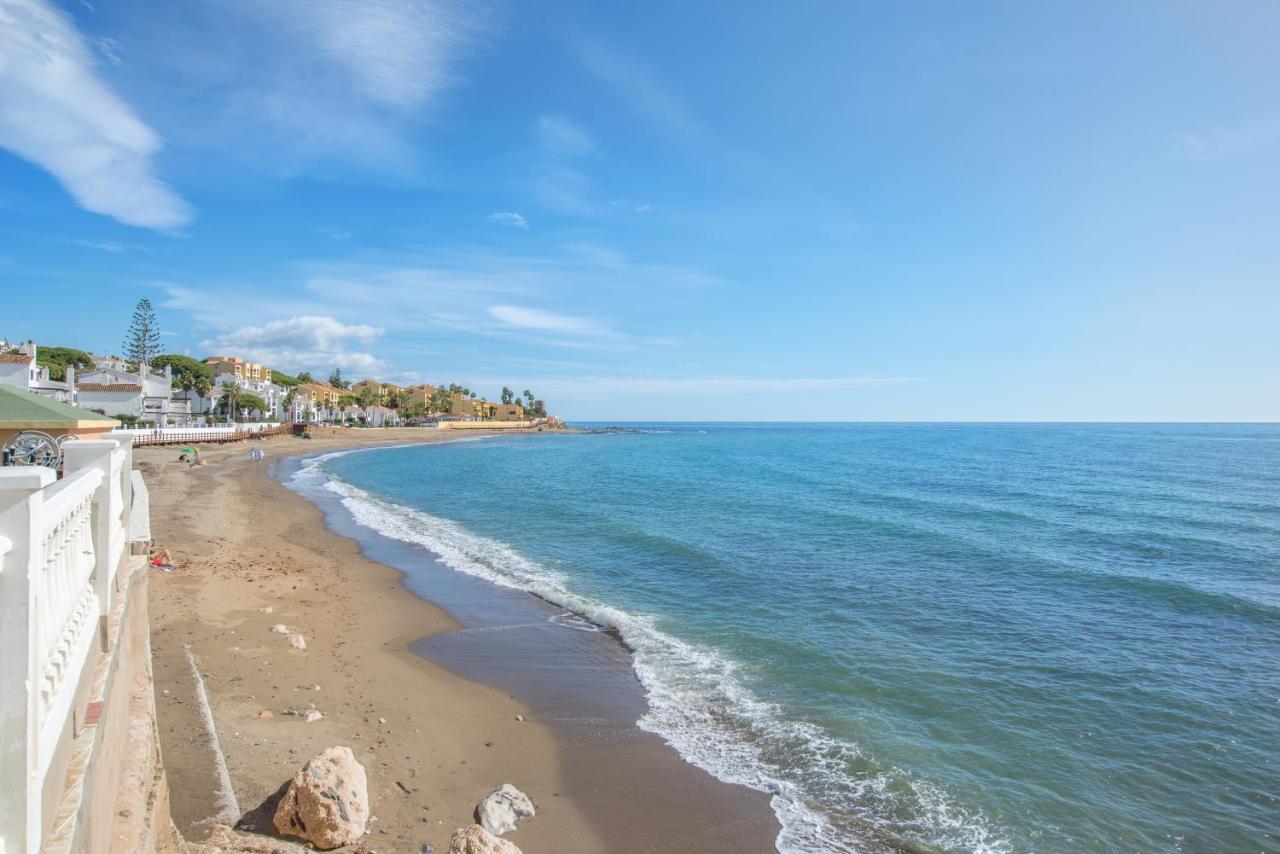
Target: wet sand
<point x="449" y="682"/>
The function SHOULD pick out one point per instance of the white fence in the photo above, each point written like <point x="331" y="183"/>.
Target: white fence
<point x="62" y="543"/>
<point x="210" y="432"/>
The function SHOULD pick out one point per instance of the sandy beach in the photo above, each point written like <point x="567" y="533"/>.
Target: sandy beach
<point x="433" y="742"/>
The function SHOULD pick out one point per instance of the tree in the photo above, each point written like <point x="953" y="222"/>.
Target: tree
<point x="336" y="380"/>
<point x="57" y="359"/>
<point x="186" y="370"/>
<point x="142" y="341"/>
<point x="305" y="377"/>
<point x="286" y="380"/>
<point x="528" y="395"/>
<point x="508" y="395"/>
<point x="230" y="398"/>
<point x="251" y="403"/>
<point x="367" y="397"/>
<point x="202" y="385"/>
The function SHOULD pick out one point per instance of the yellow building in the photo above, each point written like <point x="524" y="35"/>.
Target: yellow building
<point x="373" y="385"/>
<point x="507" y="411"/>
<point x="238" y="368"/>
<point x="422" y="395"/>
<point x="321" y="394"/>
<point x="464" y="407"/>
<point x="383" y="393"/>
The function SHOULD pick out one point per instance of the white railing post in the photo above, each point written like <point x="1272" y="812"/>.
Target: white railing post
<point x="21" y="501"/>
<point x="96" y="454"/>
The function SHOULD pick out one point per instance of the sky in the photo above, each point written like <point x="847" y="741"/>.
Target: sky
<point x="669" y="210"/>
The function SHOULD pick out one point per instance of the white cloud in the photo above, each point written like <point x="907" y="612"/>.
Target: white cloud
<point x="509" y="218"/>
<point x="546" y="321"/>
<point x="560" y="136"/>
<point x="56" y="113"/>
<point x="312" y="343"/>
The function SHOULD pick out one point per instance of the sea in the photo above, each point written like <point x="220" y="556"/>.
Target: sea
<point x="954" y="637"/>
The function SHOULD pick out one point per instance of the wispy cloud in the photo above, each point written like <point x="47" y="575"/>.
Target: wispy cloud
<point x="562" y="137"/>
<point x="508" y="218"/>
<point x="546" y="321"/>
<point x="57" y="113"/>
<point x="396" y="53"/>
<point x="702" y="386"/>
<point x="335" y="232"/>
<point x="102" y="245"/>
<point x="309" y="342"/>
<point x="292" y="86"/>
<point x="640" y="88"/>
<point x="1230" y="143"/>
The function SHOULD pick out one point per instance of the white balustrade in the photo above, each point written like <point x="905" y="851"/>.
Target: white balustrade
<point x="62" y="543"/>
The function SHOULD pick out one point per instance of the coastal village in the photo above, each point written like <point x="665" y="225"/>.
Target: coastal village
<point x="179" y="666"/>
<point x="148" y="389"/>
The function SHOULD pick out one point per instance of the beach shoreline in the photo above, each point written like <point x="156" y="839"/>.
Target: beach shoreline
<point x="434" y="735"/>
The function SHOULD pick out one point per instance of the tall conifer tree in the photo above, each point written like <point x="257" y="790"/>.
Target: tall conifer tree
<point x="142" y="342"/>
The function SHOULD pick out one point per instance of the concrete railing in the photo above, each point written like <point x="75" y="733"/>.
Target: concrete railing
<point x="62" y="544"/>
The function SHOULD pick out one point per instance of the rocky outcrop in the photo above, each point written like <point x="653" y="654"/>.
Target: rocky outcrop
<point x="502" y="808"/>
<point x="327" y="802"/>
<point x="474" y="839"/>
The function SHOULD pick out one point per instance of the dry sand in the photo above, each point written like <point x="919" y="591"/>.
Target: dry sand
<point x="432" y="742"/>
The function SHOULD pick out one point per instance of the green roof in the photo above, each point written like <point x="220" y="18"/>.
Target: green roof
<point x="21" y="407"/>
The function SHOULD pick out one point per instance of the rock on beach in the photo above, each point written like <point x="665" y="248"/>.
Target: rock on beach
<point x="327" y="801"/>
<point x="474" y="839"/>
<point x="502" y="808"/>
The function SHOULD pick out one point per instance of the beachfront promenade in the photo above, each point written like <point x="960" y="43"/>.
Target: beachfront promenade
<point x="79" y="768"/>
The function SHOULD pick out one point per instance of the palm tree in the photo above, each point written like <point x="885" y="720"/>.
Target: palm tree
<point x="231" y="397"/>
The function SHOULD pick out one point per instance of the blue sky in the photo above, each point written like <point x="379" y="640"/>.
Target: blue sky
<point x="665" y="210"/>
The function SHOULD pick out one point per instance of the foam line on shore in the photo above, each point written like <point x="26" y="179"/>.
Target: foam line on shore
<point x="700" y="706"/>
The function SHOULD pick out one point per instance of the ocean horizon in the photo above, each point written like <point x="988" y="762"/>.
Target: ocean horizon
<point x="965" y="636"/>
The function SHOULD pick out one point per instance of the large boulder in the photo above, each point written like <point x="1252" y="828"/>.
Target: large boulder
<point x="327" y="802"/>
<point x="474" y="839"/>
<point x="502" y="808"/>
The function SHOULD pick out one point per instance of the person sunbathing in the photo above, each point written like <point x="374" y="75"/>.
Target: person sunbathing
<point x="163" y="559"/>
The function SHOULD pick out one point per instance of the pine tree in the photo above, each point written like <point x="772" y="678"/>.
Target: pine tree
<point x="142" y="342"/>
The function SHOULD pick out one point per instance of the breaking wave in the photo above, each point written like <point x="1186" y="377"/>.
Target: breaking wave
<point x="828" y="796"/>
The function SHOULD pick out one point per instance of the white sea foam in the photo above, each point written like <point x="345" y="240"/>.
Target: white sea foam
<point x="701" y="707"/>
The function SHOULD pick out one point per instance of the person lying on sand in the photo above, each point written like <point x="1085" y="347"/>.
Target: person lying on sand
<point x="163" y="559"/>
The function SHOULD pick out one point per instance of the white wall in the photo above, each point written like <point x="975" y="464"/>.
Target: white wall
<point x="113" y="403"/>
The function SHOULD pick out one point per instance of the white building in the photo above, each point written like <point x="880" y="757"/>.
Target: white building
<point x="146" y="395"/>
<point x="380" y="416"/>
<point x="20" y="370"/>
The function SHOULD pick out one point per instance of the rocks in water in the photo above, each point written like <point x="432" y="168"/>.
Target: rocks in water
<point x="327" y="802"/>
<point x="474" y="839"/>
<point x="298" y="641"/>
<point x="502" y="808"/>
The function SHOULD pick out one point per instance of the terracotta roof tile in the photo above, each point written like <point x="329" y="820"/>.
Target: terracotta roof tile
<point x="120" y="387"/>
<point x="14" y="358"/>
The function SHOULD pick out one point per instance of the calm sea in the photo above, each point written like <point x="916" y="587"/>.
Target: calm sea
<point x="979" y="638"/>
